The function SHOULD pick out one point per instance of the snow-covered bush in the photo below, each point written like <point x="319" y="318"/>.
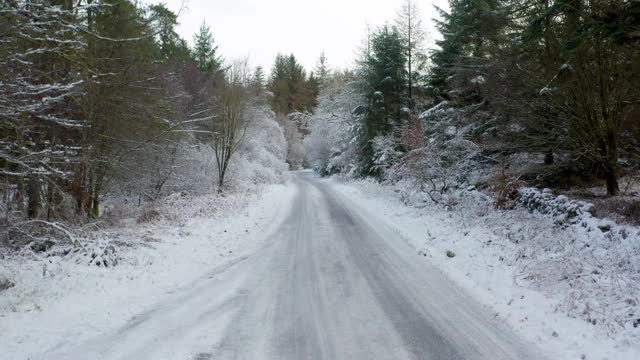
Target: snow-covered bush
<point x="590" y="266"/>
<point x="506" y="190"/>
<point x="593" y="263"/>
<point x="385" y="153"/>
<point x="332" y="144"/>
<point x="6" y="281"/>
<point x="191" y="167"/>
<point x="296" y="128"/>
<point x="436" y="168"/>
<point x="262" y="156"/>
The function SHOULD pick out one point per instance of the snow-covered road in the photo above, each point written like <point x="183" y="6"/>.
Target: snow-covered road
<point x="331" y="282"/>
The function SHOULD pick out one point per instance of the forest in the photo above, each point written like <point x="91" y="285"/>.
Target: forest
<point x="103" y="99"/>
<point x="503" y="146"/>
<point x="543" y="93"/>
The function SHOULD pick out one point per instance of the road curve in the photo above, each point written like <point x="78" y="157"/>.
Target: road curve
<point x="332" y="282"/>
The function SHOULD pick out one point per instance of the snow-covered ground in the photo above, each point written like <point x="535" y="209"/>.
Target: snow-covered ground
<point x="332" y="282"/>
<point x="63" y="298"/>
<point x="485" y="262"/>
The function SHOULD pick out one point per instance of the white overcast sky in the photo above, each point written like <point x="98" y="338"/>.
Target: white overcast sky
<point x="259" y="29"/>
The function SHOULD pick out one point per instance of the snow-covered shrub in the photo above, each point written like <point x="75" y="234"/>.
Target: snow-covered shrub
<point x="333" y="141"/>
<point x="506" y="189"/>
<point x="261" y="157"/>
<point x="148" y="215"/>
<point x="6" y="281"/>
<point x="596" y="271"/>
<point x="194" y="170"/>
<point x="385" y="153"/>
<point x="557" y="246"/>
<point x="320" y="148"/>
<point x="436" y="168"/>
<point x="296" y="128"/>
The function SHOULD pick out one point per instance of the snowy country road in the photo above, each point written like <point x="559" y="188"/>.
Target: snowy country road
<point x="332" y="282"/>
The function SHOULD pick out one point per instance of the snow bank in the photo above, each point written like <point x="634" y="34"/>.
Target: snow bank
<point x="570" y="288"/>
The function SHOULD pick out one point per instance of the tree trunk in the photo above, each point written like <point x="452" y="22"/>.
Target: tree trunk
<point x="221" y="174"/>
<point x="409" y="54"/>
<point x="221" y="182"/>
<point x="77" y="187"/>
<point x="95" y="206"/>
<point x="50" y="203"/>
<point x="220" y="185"/>
<point x="20" y="194"/>
<point x="612" y="182"/>
<point x="612" y="162"/>
<point x="548" y="157"/>
<point x="94" y="211"/>
<point x="34" y="197"/>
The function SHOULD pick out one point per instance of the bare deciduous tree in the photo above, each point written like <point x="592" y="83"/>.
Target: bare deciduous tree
<point x="230" y="124"/>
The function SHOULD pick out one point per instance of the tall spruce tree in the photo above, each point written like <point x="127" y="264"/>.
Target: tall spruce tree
<point x="545" y="75"/>
<point x="205" y="51"/>
<point x="385" y="78"/>
<point x="322" y="69"/>
<point x="594" y="82"/>
<point x="258" y="79"/>
<point x="292" y="89"/>
<point x="172" y="47"/>
<point x="468" y="30"/>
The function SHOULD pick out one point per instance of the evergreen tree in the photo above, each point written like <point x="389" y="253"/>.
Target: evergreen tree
<point x="292" y="89"/>
<point x="258" y="79"/>
<point x="542" y="75"/>
<point x="594" y="82"/>
<point x="385" y="80"/>
<point x="279" y="85"/>
<point x="122" y="105"/>
<point x="172" y="47"/>
<point x="409" y="24"/>
<point x="322" y="69"/>
<point x="468" y="30"/>
<point x="312" y="89"/>
<point x="205" y="52"/>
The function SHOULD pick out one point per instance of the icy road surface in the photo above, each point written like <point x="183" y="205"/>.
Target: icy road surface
<point x="332" y="282"/>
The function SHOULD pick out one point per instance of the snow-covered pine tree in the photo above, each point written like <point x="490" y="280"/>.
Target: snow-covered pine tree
<point x="385" y="81"/>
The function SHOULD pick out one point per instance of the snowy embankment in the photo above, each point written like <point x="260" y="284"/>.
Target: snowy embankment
<point x="570" y="286"/>
<point x="68" y="297"/>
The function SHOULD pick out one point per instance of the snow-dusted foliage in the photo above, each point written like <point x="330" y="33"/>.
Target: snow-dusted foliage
<point x="529" y="270"/>
<point x="296" y="128"/>
<point x="263" y="153"/>
<point x="94" y="107"/>
<point x="435" y="169"/>
<point x="332" y="144"/>
<point x="428" y="157"/>
<point x="191" y="167"/>
<point x="597" y="260"/>
<point x="385" y="153"/>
